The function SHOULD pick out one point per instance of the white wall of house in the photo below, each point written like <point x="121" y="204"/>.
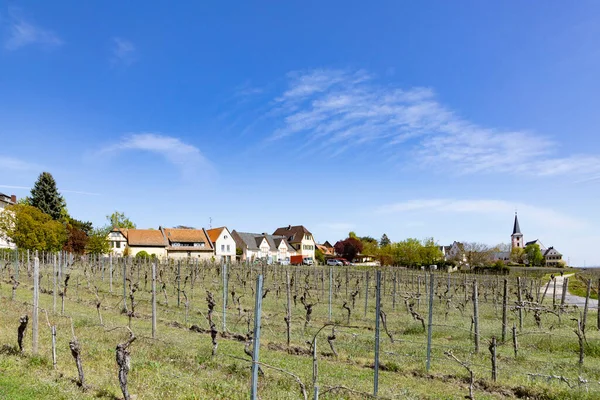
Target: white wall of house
<point x="158" y="251"/>
<point x="283" y="252"/>
<point x="307" y="247"/>
<point x="117" y="243"/>
<point x="191" y="253"/>
<point x="250" y="254"/>
<point x="225" y="247"/>
<point x="5" y="243"/>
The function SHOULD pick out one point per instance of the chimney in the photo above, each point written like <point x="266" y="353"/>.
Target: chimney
<point x="13" y="199"/>
<point x="289" y="227"/>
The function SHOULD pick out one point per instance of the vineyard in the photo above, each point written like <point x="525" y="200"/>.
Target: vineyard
<point x="136" y="328"/>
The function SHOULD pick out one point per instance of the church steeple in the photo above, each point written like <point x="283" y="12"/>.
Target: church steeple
<point x="516" y="238"/>
<point x="516" y="228"/>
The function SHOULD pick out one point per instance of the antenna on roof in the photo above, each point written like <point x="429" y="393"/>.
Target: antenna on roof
<point x="210" y="222"/>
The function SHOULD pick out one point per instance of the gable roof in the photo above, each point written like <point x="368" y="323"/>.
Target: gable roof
<point x="186" y="236"/>
<point x="145" y="237"/>
<point x="553" y="251"/>
<point x="536" y="241"/>
<point x="294" y="234"/>
<point x="327" y="244"/>
<point x="253" y="240"/>
<point x="122" y="231"/>
<point x="214" y="233"/>
<point x="244" y="239"/>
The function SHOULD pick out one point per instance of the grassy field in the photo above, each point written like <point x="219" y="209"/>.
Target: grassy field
<point x="178" y="363"/>
<point x="578" y="285"/>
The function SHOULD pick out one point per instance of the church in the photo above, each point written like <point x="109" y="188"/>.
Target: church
<point x="552" y="257"/>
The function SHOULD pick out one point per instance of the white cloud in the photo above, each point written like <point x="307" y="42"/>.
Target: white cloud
<point x="14" y="164"/>
<point x="123" y="52"/>
<point x="342" y="109"/>
<point x="541" y="215"/>
<point x="185" y="156"/>
<point x="22" y="33"/>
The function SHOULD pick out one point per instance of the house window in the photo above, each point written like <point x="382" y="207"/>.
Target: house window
<point x="223" y="247"/>
<point x="118" y="245"/>
<point x="228" y="247"/>
<point x="225" y="237"/>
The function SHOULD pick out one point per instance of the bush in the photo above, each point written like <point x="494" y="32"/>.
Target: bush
<point x="498" y="268"/>
<point x="142" y="254"/>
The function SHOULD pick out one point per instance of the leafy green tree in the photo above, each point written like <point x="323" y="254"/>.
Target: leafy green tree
<point x="119" y="220"/>
<point x="45" y="196"/>
<point x="368" y="239"/>
<point x="407" y="252"/>
<point x="384" y="241"/>
<point x="320" y="257"/>
<point x="30" y="228"/>
<point x="430" y="252"/>
<point x="534" y="255"/>
<point x="98" y="241"/>
<point x="517" y="255"/>
<point x="85" y="226"/>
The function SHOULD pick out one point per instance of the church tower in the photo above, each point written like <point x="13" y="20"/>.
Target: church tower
<point x="517" y="236"/>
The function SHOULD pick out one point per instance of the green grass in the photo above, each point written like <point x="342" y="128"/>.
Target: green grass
<point x="578" y="286"/>
<point x="178" y="365"/>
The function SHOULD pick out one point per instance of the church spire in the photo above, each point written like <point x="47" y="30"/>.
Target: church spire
<point x="516" y="238"/>
<point x="516" y="228"/>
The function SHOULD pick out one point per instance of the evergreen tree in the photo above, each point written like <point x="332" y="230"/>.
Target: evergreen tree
<point x="45" y="197"/>
<point x="385" y="241"/>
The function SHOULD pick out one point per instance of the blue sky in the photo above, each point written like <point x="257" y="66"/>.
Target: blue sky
<point x="415" y="119"/>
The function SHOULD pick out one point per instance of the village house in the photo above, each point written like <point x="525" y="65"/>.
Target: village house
<point x="6" y="200"/>
<point x="117" y="241"/>
<point x="223" y="244"/>
<point x="152" y="241"/>
<point x="552" y="257"/>
<point x="262" y="246"/>
<point x="300" y="239"/>
<point x="327" y="249"/>
<point x="186" y="243"/>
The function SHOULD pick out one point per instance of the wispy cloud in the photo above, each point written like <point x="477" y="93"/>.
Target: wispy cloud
<point x="15" y="164"/>
<point x="341" y="109"/>
<point x="185" y="156"/>
<point x="123" y="52"/>
<point x="20" y="33"/>
<point x="542" y="215"/>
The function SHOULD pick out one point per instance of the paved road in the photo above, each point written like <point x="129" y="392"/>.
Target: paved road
<point x="569" y="298"/>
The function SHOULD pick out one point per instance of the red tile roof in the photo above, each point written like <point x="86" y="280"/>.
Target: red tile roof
<point x="187" y="236"/>
<point x="145" y="237"/>
<point x="214" y="233"/>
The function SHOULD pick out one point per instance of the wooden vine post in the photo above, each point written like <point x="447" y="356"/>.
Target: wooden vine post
<point x="154" y="300"/>
<point x="36" y="297"/>
<point x="476" y="316"/>
<point x="256" y="345"/>
<point x="377" y="330"/>
<point x="504" y="309"/>
<point x="430" y="323"/>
